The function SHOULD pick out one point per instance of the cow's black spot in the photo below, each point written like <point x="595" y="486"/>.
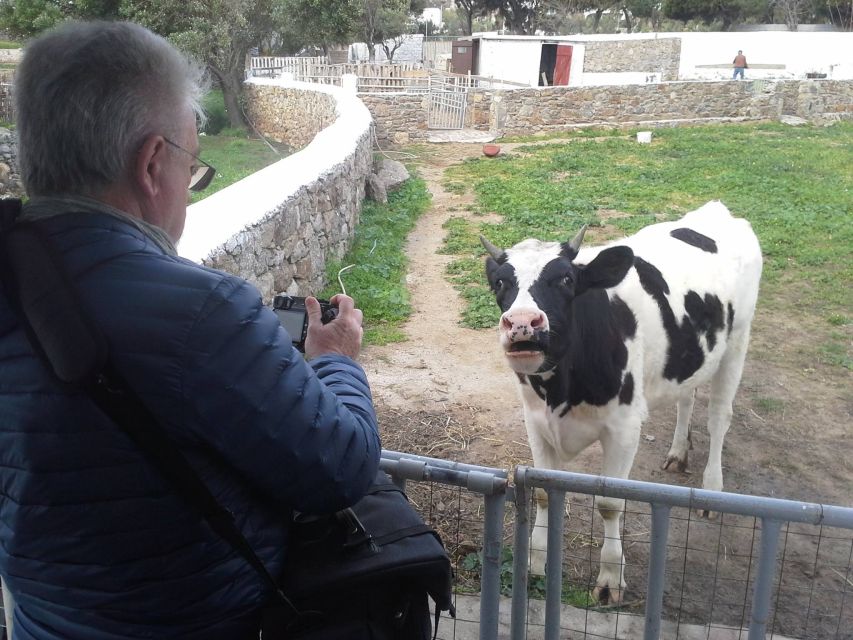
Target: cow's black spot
<point x="651" y="278"/>
<point x="626" y="393"/>
<point x="591" y="370"/>
<point x="694" y="239"/>
<point x="731" y="318"/>
<point x="502" y="280"/>
<point x="705" y="314"/>
<point x="625" y="318"/>
<point x="684" y="355"/>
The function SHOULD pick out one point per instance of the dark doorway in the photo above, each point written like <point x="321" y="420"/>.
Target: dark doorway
<point x="555" y="64"/>
<point x="547" y="62"/>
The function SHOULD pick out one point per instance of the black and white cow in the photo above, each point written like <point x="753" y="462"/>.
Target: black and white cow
<point x="598" y="336"/>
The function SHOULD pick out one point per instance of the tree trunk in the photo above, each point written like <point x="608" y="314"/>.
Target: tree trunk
<point x="628" y="24"/>
<point x="469" y="22"/>
<point x="597" y="20"/>
<point x="371" y="51"/>
<point x="231" y="87"/>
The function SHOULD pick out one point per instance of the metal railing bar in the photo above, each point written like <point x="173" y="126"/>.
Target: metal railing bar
<point x="444" y="464"/>
<point x="718" y="501"/>
<point x="554" y="563"/>
<point x="764" y="578"/>
<point x="520" y="568"/>
<point x="490" y="577"/>
<point x="657" y="570"/>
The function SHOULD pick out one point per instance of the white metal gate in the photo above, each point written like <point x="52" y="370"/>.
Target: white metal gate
<point x="448" y="100"/>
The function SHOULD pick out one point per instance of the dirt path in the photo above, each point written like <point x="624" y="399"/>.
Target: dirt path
<point x="446" y="392"/>
<point x="444" y="368"/>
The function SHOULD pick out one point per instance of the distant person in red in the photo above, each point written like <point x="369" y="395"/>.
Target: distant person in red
<point x="739" y="64"/>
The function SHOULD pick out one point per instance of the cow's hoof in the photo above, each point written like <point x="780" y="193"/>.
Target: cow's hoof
<point x="680" y="462"/>
<point x="604" y="595"/>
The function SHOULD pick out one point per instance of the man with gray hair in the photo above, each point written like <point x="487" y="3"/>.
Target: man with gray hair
<point x="94" y="543"/>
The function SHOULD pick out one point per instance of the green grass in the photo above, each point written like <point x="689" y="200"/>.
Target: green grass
<point x="769" y="405"/>
<point x="8" y="44"/>
<point x="235" y="156"/>
<point x="470" y="570"/>
<point x="377" y="282"/>
<point x="794" y="184"/>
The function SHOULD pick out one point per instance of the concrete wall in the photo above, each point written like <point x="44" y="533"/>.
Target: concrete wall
<point x="515" y="59"/>
<point x="799" y="52"/>
<point x="278" y="227"/>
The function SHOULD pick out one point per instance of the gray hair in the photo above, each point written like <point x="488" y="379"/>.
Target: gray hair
<point x="88" y="94"/>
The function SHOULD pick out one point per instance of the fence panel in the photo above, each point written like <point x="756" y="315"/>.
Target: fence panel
<point x="473" y="531"/>
<point x="763" y="568"/>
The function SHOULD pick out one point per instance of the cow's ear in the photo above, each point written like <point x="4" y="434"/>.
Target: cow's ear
<point x="607" y="270"/>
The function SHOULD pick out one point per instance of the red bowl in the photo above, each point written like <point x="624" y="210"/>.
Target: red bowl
<point x="491" y="150"/>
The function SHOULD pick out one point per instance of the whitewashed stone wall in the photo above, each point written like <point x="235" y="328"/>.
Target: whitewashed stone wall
<point x="278" y="227"/>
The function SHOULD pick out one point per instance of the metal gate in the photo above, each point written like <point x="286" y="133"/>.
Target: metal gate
<point x="448" y="100"/>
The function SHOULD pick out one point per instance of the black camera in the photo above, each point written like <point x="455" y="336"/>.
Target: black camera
<point x="293" y="316"/>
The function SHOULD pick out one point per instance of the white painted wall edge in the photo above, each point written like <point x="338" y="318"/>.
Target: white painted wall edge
<point x="219" y="217"/>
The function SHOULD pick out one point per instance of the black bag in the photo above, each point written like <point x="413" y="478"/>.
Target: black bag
<point x="362" y="573"/>
<point x="365" y="572"/>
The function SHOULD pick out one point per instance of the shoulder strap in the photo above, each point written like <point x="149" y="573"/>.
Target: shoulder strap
<point x="75" y="350"/>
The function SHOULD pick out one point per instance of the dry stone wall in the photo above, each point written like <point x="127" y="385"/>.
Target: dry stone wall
<point x="400" y="118"/>
<point x="279" y="227"/>
<point x="658" y="55"/>
<point x="289" y="114"/>
<point x="403" y="119"/>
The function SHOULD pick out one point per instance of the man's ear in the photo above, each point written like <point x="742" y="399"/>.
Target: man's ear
<point x="149" y="166"/>
<point x="606" y="270"/>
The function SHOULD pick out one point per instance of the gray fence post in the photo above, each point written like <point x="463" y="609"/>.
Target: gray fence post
<point x="554" y="564"/>
<point x="764" y="580"/>
<point x="521" y="553"/>
<point x="490" y="579"/>
<point x="657" y="570"/>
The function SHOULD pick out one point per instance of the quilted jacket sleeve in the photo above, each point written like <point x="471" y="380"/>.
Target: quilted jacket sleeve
<point x="304" y="434"/>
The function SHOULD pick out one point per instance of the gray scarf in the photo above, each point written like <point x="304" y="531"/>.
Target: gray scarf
<point x="42" y="207"/>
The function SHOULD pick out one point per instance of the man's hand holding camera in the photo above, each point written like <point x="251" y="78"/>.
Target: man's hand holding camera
<point x="342" y="335"/>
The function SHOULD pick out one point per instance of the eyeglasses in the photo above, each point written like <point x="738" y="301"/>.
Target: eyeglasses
<point x="202" y="173"/>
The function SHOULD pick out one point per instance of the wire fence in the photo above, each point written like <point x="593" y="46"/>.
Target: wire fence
<point x="762" y="568"/>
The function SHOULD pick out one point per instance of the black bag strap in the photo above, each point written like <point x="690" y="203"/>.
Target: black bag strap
<point x="75" y="350"/>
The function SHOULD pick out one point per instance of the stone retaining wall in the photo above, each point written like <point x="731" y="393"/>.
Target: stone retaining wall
<point x="659" y="55"/>
<point x="278" y="227"/>
<point x="403" y="119"/>
<point x="289" y="114"/>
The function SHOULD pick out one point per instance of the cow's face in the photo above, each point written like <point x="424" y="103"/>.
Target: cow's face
<point x="535" y="284"/>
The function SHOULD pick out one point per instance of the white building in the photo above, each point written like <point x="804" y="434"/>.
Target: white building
<point x="698" y="56"/>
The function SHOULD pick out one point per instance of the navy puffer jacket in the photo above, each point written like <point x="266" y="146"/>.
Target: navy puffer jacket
<point x="93" y="543"/>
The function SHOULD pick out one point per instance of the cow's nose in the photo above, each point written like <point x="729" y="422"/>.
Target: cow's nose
<point x="522" y="324"/>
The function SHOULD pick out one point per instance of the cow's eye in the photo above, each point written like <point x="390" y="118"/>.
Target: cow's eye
<point x="567" y="280"/>
<point x="499" y="284"/>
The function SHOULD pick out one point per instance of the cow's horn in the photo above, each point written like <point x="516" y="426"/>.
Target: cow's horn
<point x="575" y="244"/>
<point x="492" y="249"/>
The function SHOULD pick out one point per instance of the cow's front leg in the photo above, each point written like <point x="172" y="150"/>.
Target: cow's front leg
<point x="723" y="389"/>
<point x="544" y="457"/>
<point x="619" y="447"/>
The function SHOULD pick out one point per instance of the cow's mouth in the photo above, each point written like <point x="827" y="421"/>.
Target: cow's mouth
<point x="525" y="348"/>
